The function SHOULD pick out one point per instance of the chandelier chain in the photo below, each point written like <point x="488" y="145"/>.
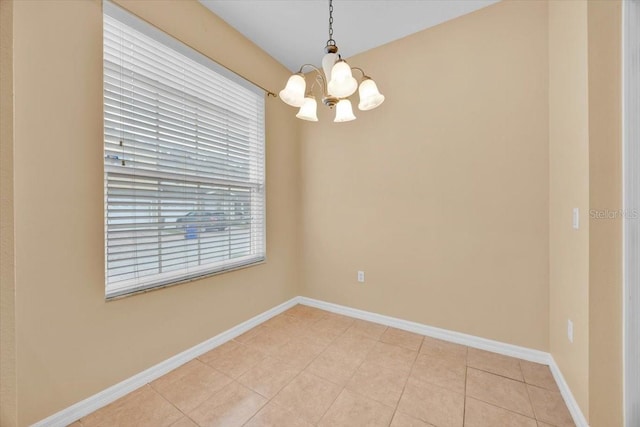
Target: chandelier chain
<point x="331" y="41"/>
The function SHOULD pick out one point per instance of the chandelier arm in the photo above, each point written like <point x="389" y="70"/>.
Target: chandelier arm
<point x="323" y="82"/>
<point x="318" y="80"/>
<point x="318" y="75"/>
<point x="301" y="70"/>
<point x="364" y="75"/>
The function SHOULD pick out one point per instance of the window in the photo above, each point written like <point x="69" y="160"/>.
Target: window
<point x="183" y="161"/>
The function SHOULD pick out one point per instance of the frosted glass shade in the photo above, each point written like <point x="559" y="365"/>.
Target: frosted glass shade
<point x="328" y="61"/>
<point x="370" y="97"/>
<point x="344" y="112"/>
<point x="308" y="111"/>
<point x="342" y="83"/>
<point x="293" y="93"/>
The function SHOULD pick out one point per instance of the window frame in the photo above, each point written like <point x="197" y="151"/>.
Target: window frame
<point x="257" y="227"/>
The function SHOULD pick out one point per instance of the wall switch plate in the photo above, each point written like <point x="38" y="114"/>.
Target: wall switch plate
<point x="576" y="218"/>
<point x="570" y="330"/>
<point x="361" y="276"/>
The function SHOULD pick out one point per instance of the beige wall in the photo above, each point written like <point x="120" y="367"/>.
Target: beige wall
<point x="605" y="192"/>
<point x="70" y="342"/>
<point x="496" y="125"/>
<point x="586" y="172"/>
<point x="441" y="194"/>
<point x="7" y="256"/>
<point x="568" y="189"/>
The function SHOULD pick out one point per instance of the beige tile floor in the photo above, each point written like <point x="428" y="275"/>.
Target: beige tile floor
<point x="309" y="367"/>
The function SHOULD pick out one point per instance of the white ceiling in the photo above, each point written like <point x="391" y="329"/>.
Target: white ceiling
<point x="295" y="31"/>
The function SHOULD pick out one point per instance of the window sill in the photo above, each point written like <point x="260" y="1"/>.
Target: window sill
<point x="124" y="294"/>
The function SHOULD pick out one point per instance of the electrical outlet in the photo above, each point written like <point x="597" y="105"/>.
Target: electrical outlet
<point x="576" y="218"/>
<point x="361" y="276"/>
<point x="570" y="330"/>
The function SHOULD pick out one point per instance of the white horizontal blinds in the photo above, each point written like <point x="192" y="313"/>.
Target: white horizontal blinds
<point x="184" y="161"/>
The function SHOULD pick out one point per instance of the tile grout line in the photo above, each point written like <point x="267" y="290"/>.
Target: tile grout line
<point x="497" y="375"/>
<point x="205" y="400"/>
<point x="270" y="400"/>
<point x="504" y="409"/>
<point x="312" y="360"/>
<point x="524" y="381"/>
<point x="464" y="398"/>
<point x="258" y="410"/>
<point x="533" y="408"/>
<point x="511" y="411"/>
<point x="189" y="418"/>
<point x="170" y="403"/>
<point x="526" y="385"/>
<point x="498" y="406"/>
<point x="407" y="380"/>
<point x="377" y="340"/>
<point x="301" y="371"/>
<point x="344" y="387"/>
<point x="235" y="380"/>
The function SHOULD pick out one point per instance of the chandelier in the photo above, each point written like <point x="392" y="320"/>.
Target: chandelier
<point x="336" y="82"/>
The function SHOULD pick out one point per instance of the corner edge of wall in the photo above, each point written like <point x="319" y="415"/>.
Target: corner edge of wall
<point x="92" y="403"/>
<point x="511" y="350"/>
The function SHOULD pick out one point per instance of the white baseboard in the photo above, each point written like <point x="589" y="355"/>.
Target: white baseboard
<point x="103" y="398"/>
<point x="464" y="339"/>
<point x="430" y="331"/>
<point x="569" y="399"/>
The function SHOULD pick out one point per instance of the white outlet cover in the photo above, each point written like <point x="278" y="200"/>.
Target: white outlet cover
<point x="361" y="276"/>
<point x="576" y="218"/>
<point x="570" y="330"/>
